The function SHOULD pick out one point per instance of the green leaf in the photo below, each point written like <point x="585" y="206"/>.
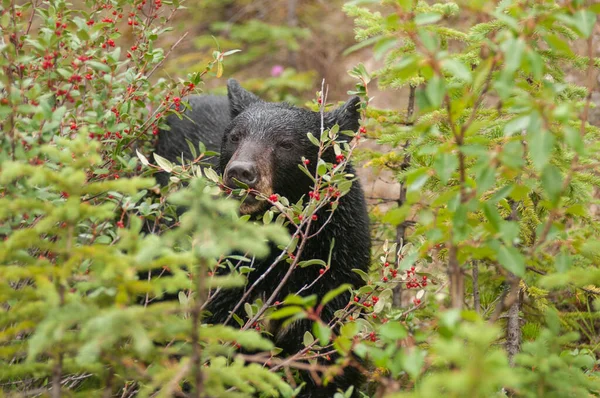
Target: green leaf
<point x="163" y="163"/>
<point x="540" y="144"/>
<point x="514" y="54"/>
<point x="142" y="158"/>
<point x="313" y="139"/>
<point x="413" y="361"/>
<point x="308" y="339"/>
<point x="314" y="261"/>
<point x="573" y="139"/>
<point x="552" y="182"/>
<point x="435" y="91"/>
<point x="99" y="66"/>
<point x="563" y="262"/>
<point x="510" y="258"/>
<point x="445" y="165"/>
<point x="230" y="52"/>
<point x="396" y="215"/>
<point x="322" y="332"/>
<point x="584" y="21"/>
<point x="491" y="213"/>
<point x="557" y="44"/>
<point x="517" y="125"/>
<point x="457" y="69"/>
<point x="330" y="295"/>
<point x="211" y="174"/>
<point x="322" y="168"/>
<point x="427" y="18"/>
<point x="393" y="330"/>
<point x="415" y="179"/>
<point x="286" y="312"/>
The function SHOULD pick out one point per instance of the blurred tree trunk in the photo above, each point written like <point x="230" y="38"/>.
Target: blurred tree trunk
<point x="292" y="21"/>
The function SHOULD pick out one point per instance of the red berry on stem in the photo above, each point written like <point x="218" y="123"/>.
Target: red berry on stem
<point x="273" y="198"/>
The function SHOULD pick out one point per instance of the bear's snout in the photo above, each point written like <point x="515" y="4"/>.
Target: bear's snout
<point x="244" y="172"/>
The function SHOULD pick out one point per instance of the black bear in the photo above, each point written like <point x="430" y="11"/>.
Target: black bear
<point x="261" y="145"/>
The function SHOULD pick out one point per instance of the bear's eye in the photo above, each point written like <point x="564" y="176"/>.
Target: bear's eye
<point x="234" y="138"/>
<point x="287" y="145"/>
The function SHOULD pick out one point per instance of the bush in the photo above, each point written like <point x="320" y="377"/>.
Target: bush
<point x="489" y="258"/>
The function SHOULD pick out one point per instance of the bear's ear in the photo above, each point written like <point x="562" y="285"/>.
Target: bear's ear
<point x="239" y="98"/>
<point x="346" y="116"/>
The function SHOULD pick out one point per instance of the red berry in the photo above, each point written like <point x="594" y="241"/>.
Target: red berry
<point x="385" y="279"/>
<point x="73" y="126"/>
<point x="375" y="299"/>
<point x="362" y="129"/>
<point x="412" y="269"/>
<point x="176" y="100"/>
<point x="120" y="224"/>
<point x="321" y="271"/>
<point x="306" y="162"/>
<point x="339" y="158"/>
<point x="386" y="264"/>
<point x="424" y="277"/>
<point x="319" y="100"/>
<point x="300" y="217"/>
<point x="277" y="303"/>
<point x="273" y="198"/>
<point x="424" y="284"/>
<point x="356" y="299"/>
<point x="90" y="22"/>
<point x="314" y="217"/>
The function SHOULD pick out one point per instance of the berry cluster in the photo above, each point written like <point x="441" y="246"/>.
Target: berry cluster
<point x="413" y="282"/>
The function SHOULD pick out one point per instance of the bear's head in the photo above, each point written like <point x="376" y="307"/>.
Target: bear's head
<point x="265" y="142"/>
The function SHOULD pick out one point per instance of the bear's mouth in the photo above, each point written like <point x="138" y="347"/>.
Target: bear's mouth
<point x="251" y="205"/>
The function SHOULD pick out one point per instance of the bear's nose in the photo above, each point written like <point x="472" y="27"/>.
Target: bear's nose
<point x="244" y="172"/>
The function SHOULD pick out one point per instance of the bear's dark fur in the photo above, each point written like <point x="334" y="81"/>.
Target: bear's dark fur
<point x="261" y="144"/>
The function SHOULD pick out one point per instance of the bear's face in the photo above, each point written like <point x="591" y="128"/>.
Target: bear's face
<point x="265" y="143"/>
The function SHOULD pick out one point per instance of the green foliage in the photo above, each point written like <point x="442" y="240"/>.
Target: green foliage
<point x="75" y="314"/>
<point x="497" y="158"/>
<point x="495" y="153"/>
